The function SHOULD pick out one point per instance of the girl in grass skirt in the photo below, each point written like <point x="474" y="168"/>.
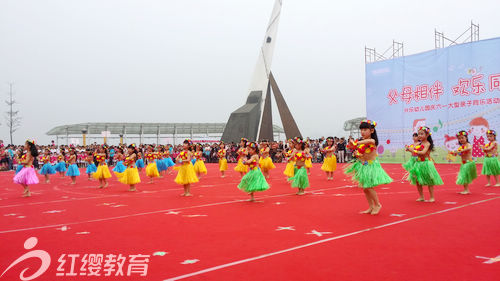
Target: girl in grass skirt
<point x="73" y="170"/>
<point x="409" y="164"/>
<point x="242" y="154"/>
<point x="222" y="159"/>
<point x="468" y="171"/>
<point x="422" y="171"/>
<point x="151" y="168"/>
<point x="131" y="175"/>
<point x="491" y="164"/>
<point x="186" y="174"/>
<point x="308" y="163"/>
<point x="330" y="161"/>
<point x="254" y="180"/>
<point x="91" y="167"/>
<point x="61" y="164"/>
<point x="47" y="168"/>
<point x="102" y="174"/>
<point x="290" y="166"/>
<point x="119" y="168"/>
<point x="27" y="176"/>
<point x="199" y="165"/>
<point x="265" y="162"/>
<point x="366" y="169"/>
<point x="300" y="179"/>
<point x="140" y="162"/>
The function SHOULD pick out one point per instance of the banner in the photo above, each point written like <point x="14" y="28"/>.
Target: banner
<point x="450" y="89"/>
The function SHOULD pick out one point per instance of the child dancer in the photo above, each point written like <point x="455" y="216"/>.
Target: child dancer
<point x="300" y="179"/>
<point x="20" y="157"/>
<point x="308" y="162"/>
<point x="131" y="174"/>
<point x="222" y="159"/>
<point x="161" y="165"/>
<point x="366" y="170"/>
<point x="47" y="168"/>
<point x="468" y="170"/>
<point x="119" y="168"/>
<point x="27" y="175"/>
<point x="102" y="173"/>
<point x="422" y="171"/>
<point x="140" y="162"/>
<point x="151" y="168"/>
<point x="199" y="165"/>
<point x="330" y="161"/>
<point x="186" y="174"/>
<point x="266" y="163"/>
<point x="254" y="180"/>
<point x="91" y="168"/>
<point x="491" y="164"/>
<point x="168" y="160"/>
<point x="73" y="171"/>
<point x="61" y="164"/>
<point x="409" y="164"/>
<point x="290" y="166"/>
<point x="242" y="154"/>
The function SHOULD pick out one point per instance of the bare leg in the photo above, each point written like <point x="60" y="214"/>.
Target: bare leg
<point x="496" y="180"/>
<point x="488" y="179"/>
<point x="466" y="189"/>
<point x="420" y="193"/>
<point x="73" y="180"/>
<point x="47" y="180"/>
<point x="187" y="189"/>
<point x="105" y="183"/>
<point x="252" y="199"/>
<point x="376" y="203"/>
<point x="370" y="202"/>
<point x="101" y="184"/>
<point x="431" y="193"/>
<point x="223" y="174"/>
<point x="132" y="188"/>
<point x="27" y="192"/>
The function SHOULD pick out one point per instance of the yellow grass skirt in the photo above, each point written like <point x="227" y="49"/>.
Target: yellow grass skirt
<point x="152" y="170"/>
<point x="130" y="176"/>
<point x="186" y="174"/>
<point x="222" y="164"/>
<point x="199" y="167"/>
<point x="266" y="164"/>
<point x="329" y="164"/>
<point x="290" y="169"/>
<point x="241" y="168"/>
<point x="102" y="173"/>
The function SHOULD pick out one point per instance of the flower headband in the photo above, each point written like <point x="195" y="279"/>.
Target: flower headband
<point x="462" y="133"/>
<point x="299" y="140"/>
<point x="371" y="122"/>
<point x="31" y="141"/>
<point x="425" y="129"/>
<point x="132" y="145"/>
<point x="491" y="132"/>
<point x="189" y="141"/>
<point x="252" y="145"/>
<point x="244" y="139"/>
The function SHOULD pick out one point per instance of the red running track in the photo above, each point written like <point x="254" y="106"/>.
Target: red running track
<point x="217" y="235"/>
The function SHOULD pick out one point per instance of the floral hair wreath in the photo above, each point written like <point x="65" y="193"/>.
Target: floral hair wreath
<point x="32" y="141"/>
<point x="462" y="133"/>
<point x="132" y="145"/>
<point x="425" y="129"/>
<point x="189" y="141"/>
<point x="491" y="132"/>
<point x="371" y="122"/>
<point x="252" y="145"/>
<point x="298" y="140"/>
<point x="244" y="139"/>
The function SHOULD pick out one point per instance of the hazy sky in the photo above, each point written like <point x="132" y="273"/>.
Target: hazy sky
<point x="192" y="61"/>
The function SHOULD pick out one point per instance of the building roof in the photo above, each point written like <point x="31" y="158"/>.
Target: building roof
<point x="145" y="128"/>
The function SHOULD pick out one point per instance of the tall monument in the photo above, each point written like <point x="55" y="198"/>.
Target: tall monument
<point x="254" y="119"/>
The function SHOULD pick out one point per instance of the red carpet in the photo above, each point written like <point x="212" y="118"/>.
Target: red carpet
<point x="217" y="235"/>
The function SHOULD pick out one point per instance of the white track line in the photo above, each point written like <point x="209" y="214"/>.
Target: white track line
<point x="61" y="200"/>
<point x="153" y="212"/>
<point x="321" y="241"/>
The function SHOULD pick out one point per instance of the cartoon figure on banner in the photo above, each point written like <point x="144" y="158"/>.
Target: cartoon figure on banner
<point x="478" y="128"/>
<point x="451" y="144"/>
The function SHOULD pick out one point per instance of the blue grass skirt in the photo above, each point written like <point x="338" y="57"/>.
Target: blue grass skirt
<point x="73" y="171"/>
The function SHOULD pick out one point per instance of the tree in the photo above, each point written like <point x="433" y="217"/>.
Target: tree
<point x="12" y="116"/>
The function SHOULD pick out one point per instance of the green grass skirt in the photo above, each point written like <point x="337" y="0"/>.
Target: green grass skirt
<point x="253" y="181"/>
<point x="424" y="173"/>
<point x="467" y="174"/>
<point x="366" y="174"/>
<point x="300" y="179"/>
<point x="410" y="163"/>
<point x="491" y="166"/>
